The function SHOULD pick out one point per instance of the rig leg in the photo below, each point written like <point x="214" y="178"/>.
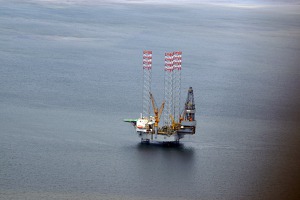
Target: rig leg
<point x="145" y="141"/>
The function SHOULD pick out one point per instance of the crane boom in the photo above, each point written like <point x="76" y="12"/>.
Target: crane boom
<point x="157" y="113"/>
<point x="153" y="104"/>
<point x="161" y="109"/>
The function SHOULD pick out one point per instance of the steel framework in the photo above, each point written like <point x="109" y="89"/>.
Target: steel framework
<point x="172" y="88"/>
<point x="147" y="71"/>
<point x="168" y="89"/>
<point x="176" y="83"/>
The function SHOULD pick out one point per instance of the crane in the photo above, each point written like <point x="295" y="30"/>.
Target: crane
<point x="175" y="125"/>
<point x="157" y="112"/>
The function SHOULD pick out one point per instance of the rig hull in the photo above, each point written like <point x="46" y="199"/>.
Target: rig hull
<point x="148" y="130"/>
<point x="145" y="130"/>
<point x="159" y="138"/>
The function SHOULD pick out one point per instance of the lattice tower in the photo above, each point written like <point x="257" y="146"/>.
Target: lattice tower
<point x="147" y="71"/>
<point x="168" y="90"/>
<point x="176" y="83"/>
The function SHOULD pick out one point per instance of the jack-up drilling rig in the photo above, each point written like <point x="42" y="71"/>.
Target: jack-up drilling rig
<point x="176" y="124"/>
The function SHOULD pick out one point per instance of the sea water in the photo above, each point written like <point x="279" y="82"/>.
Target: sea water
<point x="71" y="72"/>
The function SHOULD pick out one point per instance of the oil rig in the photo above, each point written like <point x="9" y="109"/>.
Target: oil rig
<point x="176" y="122"/>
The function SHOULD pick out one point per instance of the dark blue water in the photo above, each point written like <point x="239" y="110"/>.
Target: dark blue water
<point x="70" y="74"/>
